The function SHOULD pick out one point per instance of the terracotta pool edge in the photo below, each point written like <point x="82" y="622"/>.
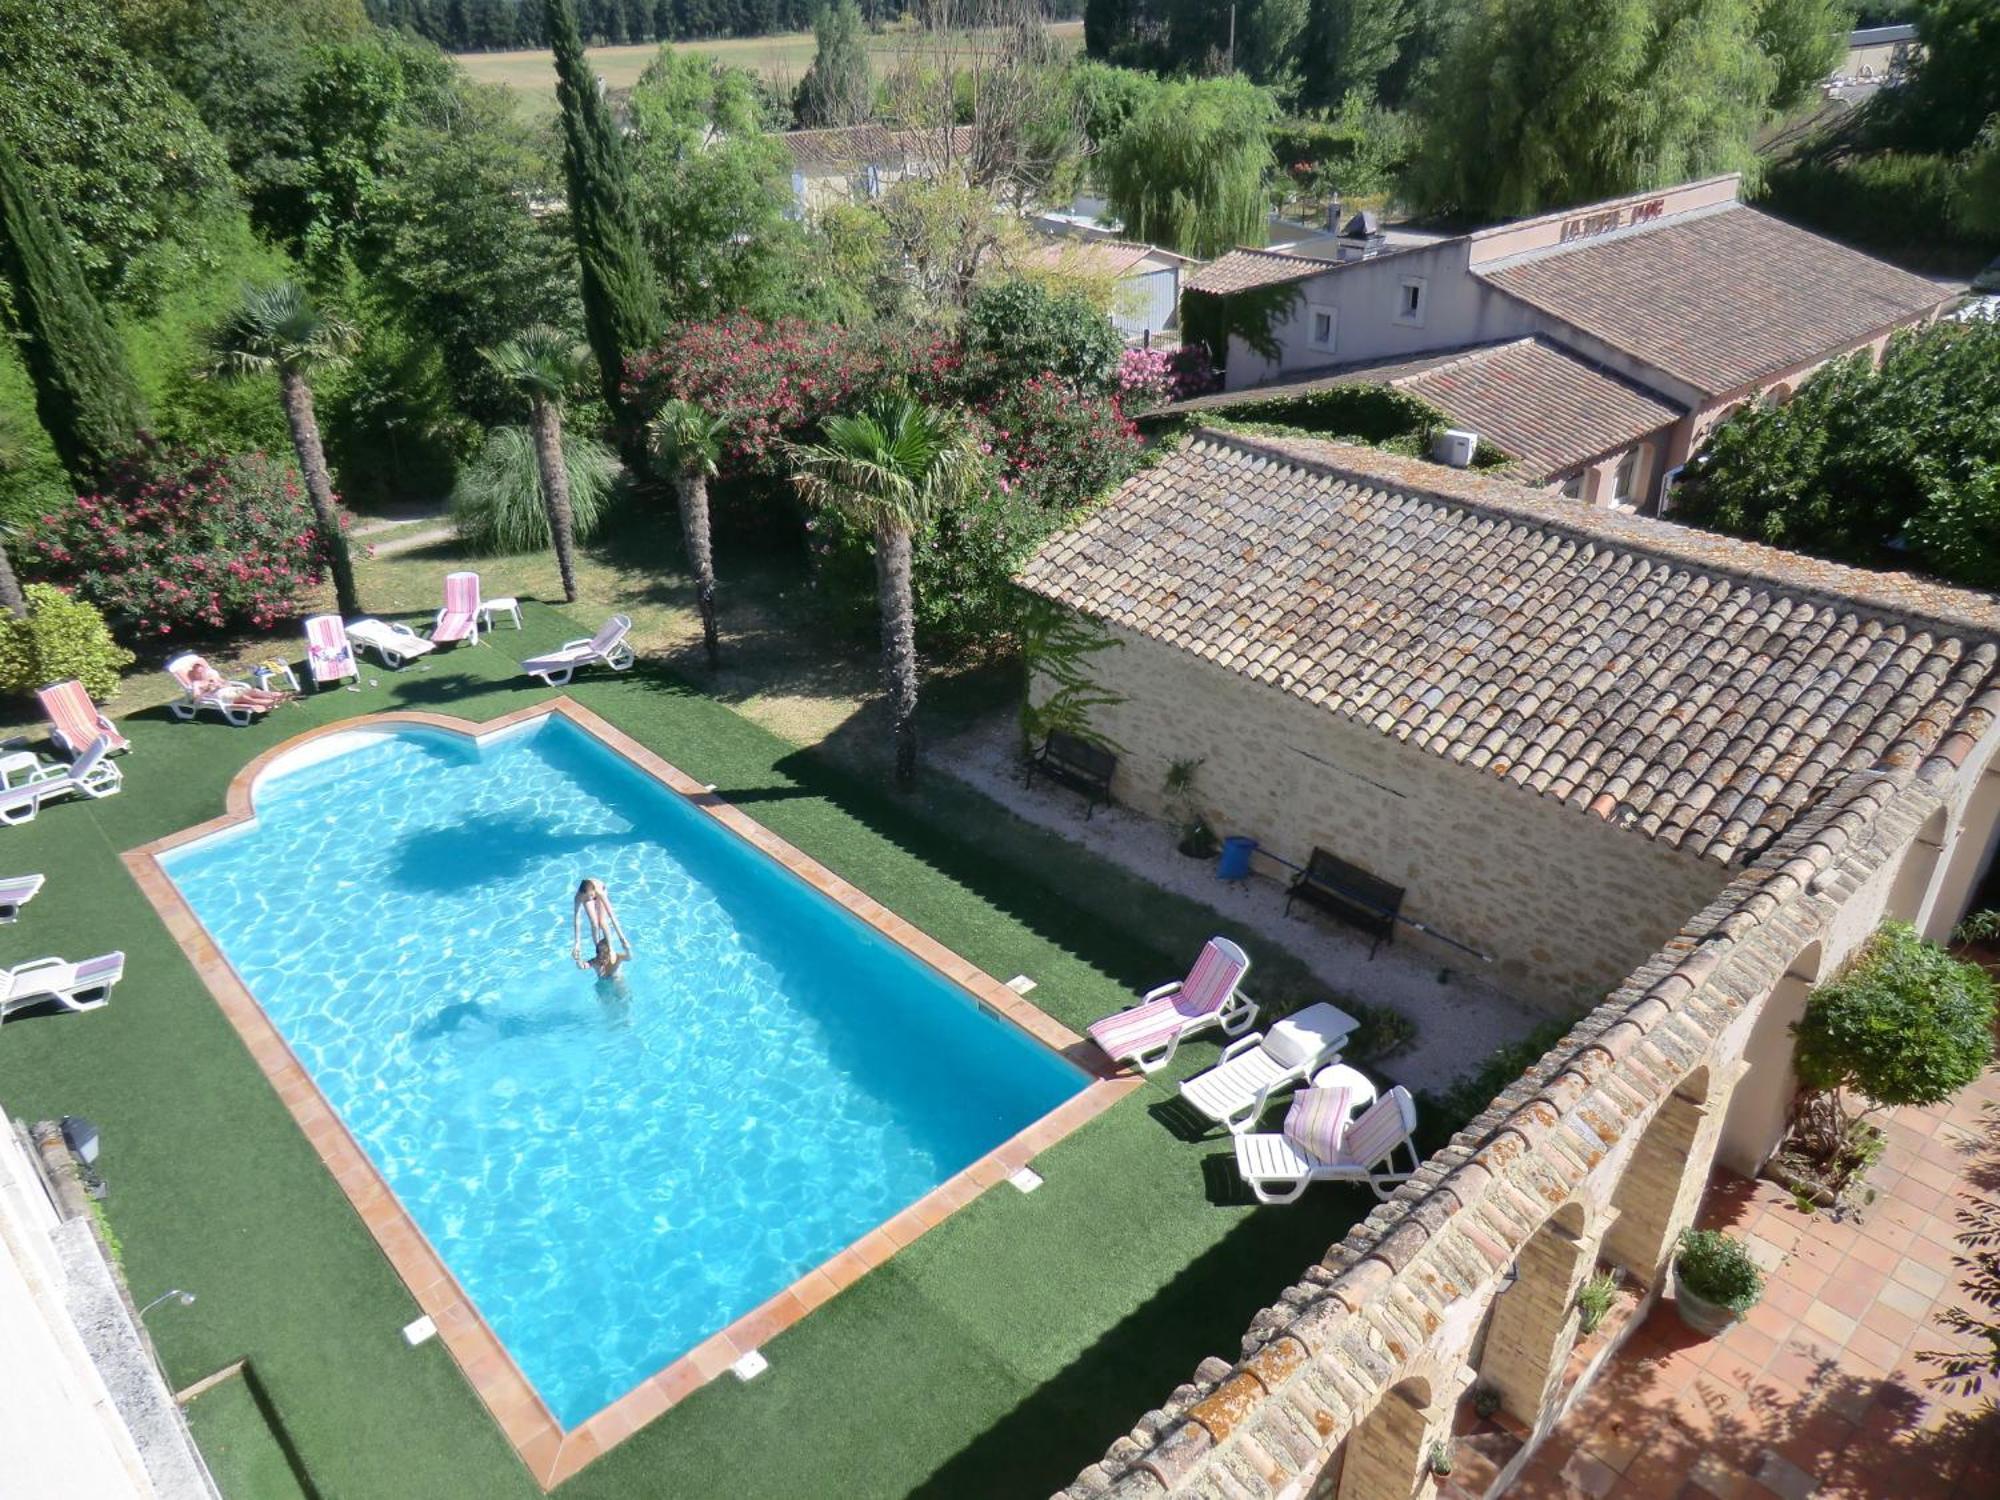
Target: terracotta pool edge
<point x="551" y="1453"/>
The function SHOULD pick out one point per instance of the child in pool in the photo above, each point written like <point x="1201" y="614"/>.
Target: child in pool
<point x="592" y="902"/>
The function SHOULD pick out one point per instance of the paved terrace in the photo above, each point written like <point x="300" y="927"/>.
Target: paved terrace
<point x="1824" y="1390"/>
<point x="995" y="1355"/>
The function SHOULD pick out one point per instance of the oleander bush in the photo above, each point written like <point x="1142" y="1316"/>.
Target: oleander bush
<point x="184" y="543"/>
<point x="62" y="637"/>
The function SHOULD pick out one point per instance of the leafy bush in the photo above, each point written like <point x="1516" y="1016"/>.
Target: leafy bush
<point x="497" y="505"/>
<point x="61" y="638"/>
<point x="1060" y="448"/>
<point x="183" y="543"/>
<point x="1716" y="1268"/>
<point x="1889" y="201"/>
<point x="1594" y="1299"/>
<point x="1153" y="377"/>
<point x="1904" y="1023"/>
<point x="1018" y="330"/>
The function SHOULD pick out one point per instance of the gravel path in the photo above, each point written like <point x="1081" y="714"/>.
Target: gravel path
<point x="1460" y="1022"/>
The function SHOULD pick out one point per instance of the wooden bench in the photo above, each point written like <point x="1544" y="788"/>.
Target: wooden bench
<point x="1349" y="893"/>
<point x="1076" y="763"/>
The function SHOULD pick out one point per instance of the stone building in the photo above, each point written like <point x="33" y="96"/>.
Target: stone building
<point x="1585" y="739"/>
<point x="856" y="163"/>
<point x="1627" y="328"/>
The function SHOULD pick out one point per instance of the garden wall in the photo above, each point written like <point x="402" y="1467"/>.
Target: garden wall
<point x="1566" y="904"/>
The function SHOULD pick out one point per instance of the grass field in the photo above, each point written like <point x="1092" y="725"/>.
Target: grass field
<point x="994" y="1357"/>
<point x="783" y="58"/>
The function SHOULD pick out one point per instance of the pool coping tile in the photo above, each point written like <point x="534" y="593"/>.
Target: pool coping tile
<point x="550" y="1452"/>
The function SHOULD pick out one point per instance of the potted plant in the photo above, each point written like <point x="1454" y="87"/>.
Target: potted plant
<point x="1196" y="839"/>
<point x="1440" y="1460"/>
<point x="1485" y="1401"/>
<point x="1715" y="1280"/>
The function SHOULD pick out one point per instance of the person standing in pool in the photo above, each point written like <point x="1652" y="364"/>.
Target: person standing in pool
<point x="592" y="903"/>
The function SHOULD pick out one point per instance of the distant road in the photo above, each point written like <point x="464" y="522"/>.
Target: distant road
<point x="783" y="57"/>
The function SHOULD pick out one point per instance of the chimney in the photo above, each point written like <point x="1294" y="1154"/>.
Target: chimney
<point x="1333" y="214"/>
<point x="1361" y="238"/>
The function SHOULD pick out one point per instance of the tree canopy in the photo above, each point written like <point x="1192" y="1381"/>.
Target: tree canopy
<point x="1188" y="170"/>
<point x="838" y="87"/>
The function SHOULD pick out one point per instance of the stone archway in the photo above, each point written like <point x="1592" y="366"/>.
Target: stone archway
<point x="1907" y="897"/>
<point x="1387" y="1457"/>
<point x="1761" y="1106"/>
<point x="1969" y="859"/>
<point x="1534" y="1320"/>
<point x="1663" y="1183"/>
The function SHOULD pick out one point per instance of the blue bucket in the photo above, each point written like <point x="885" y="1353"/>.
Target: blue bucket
<point x="1235" y="861"/>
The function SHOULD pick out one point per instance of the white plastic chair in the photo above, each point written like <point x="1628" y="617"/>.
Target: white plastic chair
<point x="1252" y="1069"/>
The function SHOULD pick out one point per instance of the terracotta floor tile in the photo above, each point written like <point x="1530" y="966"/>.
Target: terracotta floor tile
<point x="1854" y="1290"/>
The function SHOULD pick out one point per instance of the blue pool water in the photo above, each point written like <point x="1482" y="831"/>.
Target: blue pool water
<point x="612" y="1174"/>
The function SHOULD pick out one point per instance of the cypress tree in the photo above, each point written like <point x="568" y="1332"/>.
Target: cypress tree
<point x="621" y="303"/>
<point x="84" y="394"/>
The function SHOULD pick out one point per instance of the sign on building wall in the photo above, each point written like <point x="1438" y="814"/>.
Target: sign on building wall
<point x="1603" y="222"/>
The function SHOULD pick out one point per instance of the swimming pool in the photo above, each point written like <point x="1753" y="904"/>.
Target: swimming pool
<point x="612" y="1172"/>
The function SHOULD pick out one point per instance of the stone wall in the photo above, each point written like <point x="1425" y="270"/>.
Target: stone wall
<point x="1565" y="903"/>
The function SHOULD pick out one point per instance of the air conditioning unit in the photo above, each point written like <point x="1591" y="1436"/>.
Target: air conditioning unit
<point x="1455" y="447"/>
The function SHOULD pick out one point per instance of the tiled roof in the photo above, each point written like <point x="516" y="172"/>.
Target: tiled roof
<point x="1696" y="688"/>
<point x="1720" y="297"/>
<point x="1542" y="405"/>
<point x="1094" y="256"/>
<point x="841" y="149"/>
<point x="1243" y="270"/>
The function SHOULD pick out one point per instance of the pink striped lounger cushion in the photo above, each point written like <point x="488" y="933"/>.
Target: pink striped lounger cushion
<point x="1376" y="1133"/>
<point x="1317" y="1120"/>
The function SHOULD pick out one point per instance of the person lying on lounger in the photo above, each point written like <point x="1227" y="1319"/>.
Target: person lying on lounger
<point x="205" y="681"/>
<point x="591" y="902"/>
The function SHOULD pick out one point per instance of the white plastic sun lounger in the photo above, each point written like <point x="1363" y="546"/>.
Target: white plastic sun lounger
<point x="220" y="700"/>
<point x="329" y="653"/>
<point x="460" y="616"/>
<point x="1319" y="1144"/>
<point x="93" y="775"/>
<point x="84" y="986"/>
<point x="16" y="891"/>
<point x="1147" y="1032"/>
<point x="606" y="648"/>
<point x="393" y="641"/>
<point x="74" y="721"/>
<point x="1253" y="1068"/>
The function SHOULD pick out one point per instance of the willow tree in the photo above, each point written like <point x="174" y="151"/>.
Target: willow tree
<point x="891" y="467"/>
<point x="621" y="303"/>
<point x="1188" y="170"/>
<point x="276" y="330"/>
<point x="84" y="394"/>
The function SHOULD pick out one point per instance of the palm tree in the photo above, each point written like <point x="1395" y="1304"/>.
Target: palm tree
<point x="890" y="467"/>
<point x="688" y="443"/>
<point x="277" y="330"/>
<point x="545" y="364"/>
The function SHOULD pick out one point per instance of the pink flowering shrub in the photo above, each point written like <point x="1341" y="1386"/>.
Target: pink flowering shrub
<point x="775" y="382"/>
<point x="1153" y="377"/>
<point x="1058" y="446"/>
<point x="184" y="543"/>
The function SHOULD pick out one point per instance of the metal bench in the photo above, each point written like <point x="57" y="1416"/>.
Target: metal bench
<point x="1349" y="893"/>
<point x="1078" y="764"/>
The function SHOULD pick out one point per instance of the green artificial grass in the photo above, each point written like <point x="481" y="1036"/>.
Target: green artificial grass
<point x="244" y="1452"/>
<point x="996" y="1356"/>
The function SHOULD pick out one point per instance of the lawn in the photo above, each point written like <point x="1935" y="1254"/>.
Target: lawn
<point x="996" y="1356"/>
<point x="782" y="58"/>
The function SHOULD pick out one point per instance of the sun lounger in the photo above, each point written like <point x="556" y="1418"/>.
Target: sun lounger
<point x="606" y="648"/>
<point x="84" y="986"/>
<point x="74" y="721"/>
<point x="459" y="618"/>
<point x="221" y="700"/>
<point x="92" y="775"/>
<point x="394" y="642"/>
<point x="16" y="891"/>
<point x="1146" y="1032"/>
<point x="328" y="651"/>
<point x="1254" y="1068"/>
<point x="1320" y="1144"/>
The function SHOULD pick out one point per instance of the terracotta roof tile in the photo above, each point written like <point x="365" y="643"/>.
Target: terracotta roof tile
<point x="843" y="148"/>
<point x="1542" y="405"/>
<point x="1698" y="689"/>
<point x="1720" y="297"/>
<point x="1243" y="270"/>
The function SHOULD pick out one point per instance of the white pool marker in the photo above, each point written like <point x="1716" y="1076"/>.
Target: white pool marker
<point x="1021" y="984"/>
<point x="420" y="1332"/>
<point x="710" y="787"/>
<point x="750" y="1366"/>
<point x="1026" y="1180"/>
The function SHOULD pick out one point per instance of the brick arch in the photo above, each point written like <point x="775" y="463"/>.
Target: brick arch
<point x="1533" y="1322"/>
<point x="1386" y="1457"/>
<point x="1916" y="874"/>
<point x="1968" y="859"/>
<point x="1661" y="1185"/>
<point x="1760" y="1108"/>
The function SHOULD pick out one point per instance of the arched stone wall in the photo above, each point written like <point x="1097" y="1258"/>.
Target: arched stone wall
<point x="1388" y="1455"/>
<point x="1534" y="1320"/>
<point x="1662" y="1186"/>
<point x="1761" y="1106"/>
<point x="1915" y="877"/>
<point x="1968" y="860"/>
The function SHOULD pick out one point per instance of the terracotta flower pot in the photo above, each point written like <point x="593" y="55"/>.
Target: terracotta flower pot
<point x="1698" y="1313"/>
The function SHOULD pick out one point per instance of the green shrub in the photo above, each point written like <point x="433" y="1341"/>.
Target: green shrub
<point x="497" y="506"/>
<point x="1594" y="1299"/>
<point x="1382" y="1032"/>
<point x="1716" y="1268"/>
<point x="61" y="638"/>
<point x="1016" y="330"/>
<point x="1904" y="1023"/>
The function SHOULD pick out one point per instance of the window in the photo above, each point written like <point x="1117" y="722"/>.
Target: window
<point x="1622" y="477"/>
<point x="1410" y="301"/>
<point x="1320" y="326"/>
<point x="1574" y="489"/>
